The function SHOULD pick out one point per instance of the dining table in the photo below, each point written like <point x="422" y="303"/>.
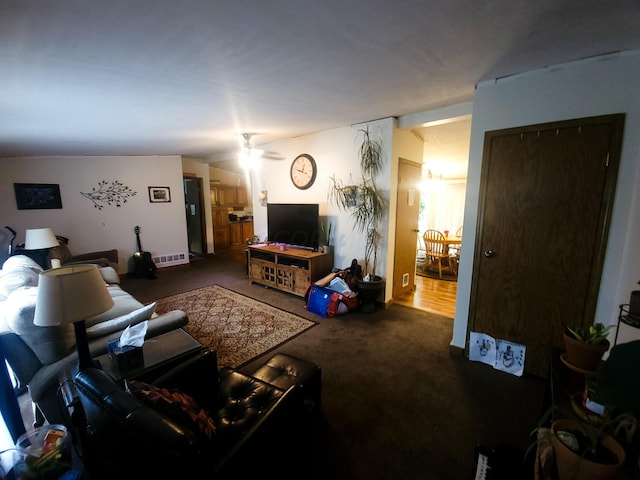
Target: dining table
<point x="451" y="241"/>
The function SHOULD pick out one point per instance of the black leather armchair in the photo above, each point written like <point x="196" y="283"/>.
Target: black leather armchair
<point x="125" y="437"/>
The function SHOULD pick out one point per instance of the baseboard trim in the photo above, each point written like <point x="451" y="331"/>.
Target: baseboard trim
<point x="456" y="351"/>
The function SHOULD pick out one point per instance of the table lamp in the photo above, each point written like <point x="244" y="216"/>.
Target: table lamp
<point x="71" y="295"/>
<point x="40" y="239"/>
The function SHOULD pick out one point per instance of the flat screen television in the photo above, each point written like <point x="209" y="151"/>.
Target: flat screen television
<point x="294" y="224"/>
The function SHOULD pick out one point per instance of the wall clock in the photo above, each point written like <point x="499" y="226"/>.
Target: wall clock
<point x="303" y="171"/>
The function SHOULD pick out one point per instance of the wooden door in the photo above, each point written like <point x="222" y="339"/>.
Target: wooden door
<point x="407" y="212"/>
<point x="545" y="202"/>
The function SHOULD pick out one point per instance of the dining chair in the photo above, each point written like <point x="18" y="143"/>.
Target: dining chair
<point x="434" y="241"/>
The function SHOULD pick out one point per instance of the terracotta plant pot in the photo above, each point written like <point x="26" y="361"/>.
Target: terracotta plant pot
<point x="572" y="466"/>
<point x="585" y="356"/>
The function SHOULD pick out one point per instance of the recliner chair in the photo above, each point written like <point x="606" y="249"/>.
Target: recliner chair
<point x="124" y="436"/>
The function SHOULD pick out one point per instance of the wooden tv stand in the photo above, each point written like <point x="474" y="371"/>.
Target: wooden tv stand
<point x="291" y="270"/>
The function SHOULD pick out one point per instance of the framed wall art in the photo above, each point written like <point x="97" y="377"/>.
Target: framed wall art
<point x="159" y="194"/>
<point x="34" y="196"/>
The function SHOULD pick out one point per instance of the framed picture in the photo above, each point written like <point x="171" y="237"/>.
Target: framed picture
<point x="159" y="194"/>
<point x="33" y="196"/>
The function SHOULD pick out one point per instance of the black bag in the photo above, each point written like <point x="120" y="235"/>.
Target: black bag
<point x="352" y="274"/>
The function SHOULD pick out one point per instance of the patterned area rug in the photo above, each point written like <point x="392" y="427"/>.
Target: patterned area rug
<point x="239" y="328"/>
<point x="433" y="273"/>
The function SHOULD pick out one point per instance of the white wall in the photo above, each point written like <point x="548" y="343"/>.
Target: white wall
<point x="91" y="229"/>
<point x="586" y="88"/>
<point x="336" y="153"/>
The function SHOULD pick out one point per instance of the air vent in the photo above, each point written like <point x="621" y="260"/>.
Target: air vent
<point x="405" y="279"/>
<point x="171" y="259"/>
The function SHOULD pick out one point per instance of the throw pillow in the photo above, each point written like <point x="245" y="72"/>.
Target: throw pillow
<point x="120" y="323"/>
<point x="109" y="275"/>
<point x="176" y="405"/>
<point x="124" y="303"/>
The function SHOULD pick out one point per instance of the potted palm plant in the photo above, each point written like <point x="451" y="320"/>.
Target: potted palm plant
<point x="585" y="346"/>
<point x="367" y="205"/>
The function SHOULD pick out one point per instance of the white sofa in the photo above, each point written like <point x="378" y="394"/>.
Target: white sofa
<point x="37" y="355"/>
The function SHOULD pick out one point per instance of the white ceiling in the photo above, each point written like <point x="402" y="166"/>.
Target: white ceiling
<point x="446" y="149"/>
<point x="167" y="77"/>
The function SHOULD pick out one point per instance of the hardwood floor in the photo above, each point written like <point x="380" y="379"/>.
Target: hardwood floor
<point x="431" y="295"/>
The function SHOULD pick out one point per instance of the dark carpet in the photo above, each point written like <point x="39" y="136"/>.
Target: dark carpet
<point x="397" y="403"/>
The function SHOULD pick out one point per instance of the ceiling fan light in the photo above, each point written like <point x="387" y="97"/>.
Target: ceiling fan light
<point x="248" y="160"/>
<point x="249" y="157"/>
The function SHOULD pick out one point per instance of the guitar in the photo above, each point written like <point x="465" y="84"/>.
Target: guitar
<point x="12" y="239"/>
<point x="143" y="263"/>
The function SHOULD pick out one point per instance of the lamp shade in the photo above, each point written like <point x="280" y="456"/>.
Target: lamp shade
<point x="37" y="238"/>
<point x="70" y="294"/>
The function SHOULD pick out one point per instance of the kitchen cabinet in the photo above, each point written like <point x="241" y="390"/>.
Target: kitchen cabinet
<point x="241" y="196"/>
<point x="221" y="238"/>
<point x="235" y="233"/>
<point x="228" y="195"/>
<point x="247" y="230"/>
<point x="240" y="231"/>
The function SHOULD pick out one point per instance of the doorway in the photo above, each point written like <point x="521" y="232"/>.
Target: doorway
<point x="193" y="200"/>
<point x="446" y="155"/>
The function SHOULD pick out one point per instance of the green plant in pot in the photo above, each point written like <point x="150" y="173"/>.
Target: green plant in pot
<point x="368" y="208"/>
<point x="326" y="237"/>
<point x="585" y="346"/>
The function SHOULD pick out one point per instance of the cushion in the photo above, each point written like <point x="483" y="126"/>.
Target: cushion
<point x="109" y="275"/>
<point x="18" y="271"/>
<point x="120" y="323"/>
<point x="50" y="344"/>
<point x="178" y="406"/>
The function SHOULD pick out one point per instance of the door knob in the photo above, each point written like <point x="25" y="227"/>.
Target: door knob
<point x="489" y="253"/>
<point x="415" y="230"/>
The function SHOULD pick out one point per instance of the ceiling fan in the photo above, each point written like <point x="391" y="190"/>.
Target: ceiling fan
<point x="249" y="155"/>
